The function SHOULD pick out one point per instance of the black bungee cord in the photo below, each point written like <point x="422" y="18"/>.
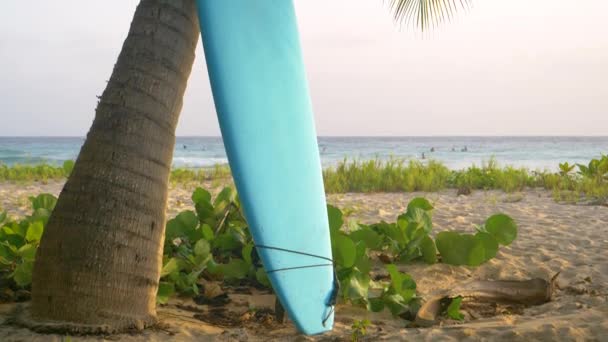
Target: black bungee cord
<point x="336" y="283"/>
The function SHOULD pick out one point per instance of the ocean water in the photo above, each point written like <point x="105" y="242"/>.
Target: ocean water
<point x="532" y="152"/>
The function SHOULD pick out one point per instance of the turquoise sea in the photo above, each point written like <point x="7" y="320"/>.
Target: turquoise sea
<point x="455" y="152"/>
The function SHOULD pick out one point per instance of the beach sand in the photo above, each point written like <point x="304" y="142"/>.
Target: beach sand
<point x="571" y="239"/>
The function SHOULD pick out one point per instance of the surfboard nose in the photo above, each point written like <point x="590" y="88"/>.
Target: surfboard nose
<point x="308" y="306"/>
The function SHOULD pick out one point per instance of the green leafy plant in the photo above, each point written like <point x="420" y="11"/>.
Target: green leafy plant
<point x="397" y="296"/>
<point x="182" y="268"/>
<point x="352" y="264"/>
<point x="19" y="241"/>
<point x="351" y="251"/>
<point x="596" y="169"/>
<point x="359" y="328"/>
<point x="213" y="242"/>
<point x="453" y="310"/>
<point x="565" y="168"/>
<point x="408" y="239"/>
<point x="473" y="250"/>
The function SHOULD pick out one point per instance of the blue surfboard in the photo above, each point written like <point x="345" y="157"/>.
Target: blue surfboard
<point x="263" y="105"/>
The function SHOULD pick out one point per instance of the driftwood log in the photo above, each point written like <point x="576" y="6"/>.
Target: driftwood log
<point x="527" y="292"/>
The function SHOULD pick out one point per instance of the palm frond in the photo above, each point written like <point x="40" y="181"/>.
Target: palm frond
<point x="426" y="13"/>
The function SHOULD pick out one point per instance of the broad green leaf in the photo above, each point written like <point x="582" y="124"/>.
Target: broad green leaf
<point x="344" y="250"/>
<point x="362" y="260"/>
<point x="489" y="244"/>
<point x="3" y="216"/>
<point x="41" y="215"/>
<point x="392" y="231"/>
<point x="262" y="277"/>
<point x="200" y="261"/>
<point x="335" y="218"/>
<point x="402" y="283"/>
<point x="427" y="222"/>
<point x="196" y="235"/>
<point x="416" y="238"/>
<point x="165" y="291"/>
<point x="364" y="265"/>
<point x="207" y="232"/>
<point x="7" y="255"/>
<point x="34" y="232"/>
<point x="421" y="203"/>
<point x="236" y="268"/>
<point x="7" y="230"/>
<point x="227" y="242"/>
<point x="454" y="309"/>
<point x="45" y="201"/>
<point x="246" y="253"/>
<point x="375" y="304"/>
<point x="204" y="208"/>
<point x="182" y="283"/>
<point x="452" y="248"/>
<point x="27" y="252"/>
<point x="185" y="284"/>
<point x="171" y="267"/>
<point x="202" y="248"/>
<point x="183" y="250"/>
<point x="428" y="250"/>
<point x="224" y="198"/>
<point x="403" y="222"/>
<point x="18" y="229"/>
<point x="371" y="239"/>
<point x="23" y="273"/>
<point x="183" y="225"/>
<point x="201" y="195"/>
<point x="417" y="218"/>
<point x="502" y="227"/>
<point x="358" y="286"/>
<point x="14" y="240"/>
<point x="463" y="249"/>
<point x="476" y="250"/>
<point x="396" y="304"/>
<point x="205" y="212"/>
<point x="213" y="267"/>
<point x="408" y="228"/>
<point x="191" y="288"/>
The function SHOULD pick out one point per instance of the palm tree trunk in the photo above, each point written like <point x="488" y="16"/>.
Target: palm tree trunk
<point x="98" y="265"/>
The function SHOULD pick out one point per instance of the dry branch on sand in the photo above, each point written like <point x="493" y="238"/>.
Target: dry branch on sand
<point x="527" y="292"/>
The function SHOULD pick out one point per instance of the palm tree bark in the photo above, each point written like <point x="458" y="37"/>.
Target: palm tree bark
<point x="98" y="265"/>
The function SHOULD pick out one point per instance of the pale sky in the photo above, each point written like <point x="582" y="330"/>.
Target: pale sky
<point x="516" y="67"/>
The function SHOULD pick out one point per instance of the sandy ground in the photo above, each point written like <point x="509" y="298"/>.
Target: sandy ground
<point x="552" y="238"/>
